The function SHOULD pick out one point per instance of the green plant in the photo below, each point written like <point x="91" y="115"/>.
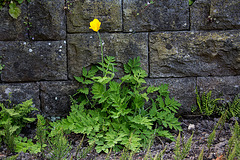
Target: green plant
<point x="1" y="65"/>
<point x="180" y="154"/>
<point x="126" y="154"/>
<point x="220" y="123"/>
<point x="60" y="146"/>
<point x="234" y="107"/>
<point x="200" y="157"/>
<point x="234" y="143"/>
<point x="211" y="138"/>
<point x="25" y="145"/>
<point x="68" y="4"/>
<point x="14" y="10"/>
<point x="8" y="134"/>
<point x="82" y="152"/>
<point x="206" y="105"/>
<point x="14" y="157"/>
<point x="158" y="156"/>
<point x="16" y="114"/>
<point x="41" y="132"/>
<point x="119" y="116"/>
<point x="191" y="2"/>
<point x="113" y="113"/>
<point x="12" y="119"/>
<point x="146" y="5"/>
<point x="150" y="143"/>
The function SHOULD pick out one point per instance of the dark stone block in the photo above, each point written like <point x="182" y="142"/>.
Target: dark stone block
<point x="48" y="19"/>
<point x="55" y="97"/>
<point x="19" y="93"/>
<point x="159" y="16"/>
<point x="215" y="15"/>
<point x="33" y="61"/>
<point x="13" y="29"/>
<point x="221" y="87"/>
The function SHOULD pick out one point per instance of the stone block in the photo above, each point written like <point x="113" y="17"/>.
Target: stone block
<point x="48" y="19"/>
<point x="159" y="16"/>
<point x="184" y="54"/>
<point x="215" y="15"/>
<point x="13" y="29"/>
<point x="84" y="50"/>
<point x="19" y="93"/>
<point x="109" y="13"/>
<point x="33" y="61"/>
<point x="55" y="97"/>
<point x="182" y="89"/>
<point x="221" y="87"/>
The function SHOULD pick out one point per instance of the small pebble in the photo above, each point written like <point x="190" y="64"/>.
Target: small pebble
<point x="191" y="127"/>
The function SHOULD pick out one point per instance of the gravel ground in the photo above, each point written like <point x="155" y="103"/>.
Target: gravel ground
<point x="201" y="126"/>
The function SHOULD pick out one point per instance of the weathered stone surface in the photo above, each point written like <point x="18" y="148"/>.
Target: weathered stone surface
<point x="162" y="15"/>
<point x="33" y="61"/>
<point x="109" y="13"/>
<point x="182" y="89"/>
<point x="84" y="50"/>
<point x="1" y="66"/>
<point x="221" y="87"/>
<point x="181" y="54"/>
<point x="13" y="29"/>
<point x="20" y="93"/>
<point x="55" y="100"/>
<point x="215" y="14"/>
<point x="48" y="19"/>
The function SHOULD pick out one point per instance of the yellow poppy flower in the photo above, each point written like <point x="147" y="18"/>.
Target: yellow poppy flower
<point x="95" y="25"/>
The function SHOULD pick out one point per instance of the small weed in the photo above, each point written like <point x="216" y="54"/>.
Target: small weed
<point x="234" y="107"/>
<point x="1" y="65"/>
<point x="191" y="2"/>
<point x="146" y="5"/>
<point x="14" y="9"/>
<point x="180" y="154"/>
<point x="85" y="151"/>
<point x="11" y="157"/>
<point x="200" y="157"/>
<point x="60" y="146"/>
<point x="9" y="137"/>
<point x="41" y="132"/>
<point x="12" y="120"/>
<point x="234" y="143"/>
<point x="206" y="105"/>
<point x="212" y="136"/>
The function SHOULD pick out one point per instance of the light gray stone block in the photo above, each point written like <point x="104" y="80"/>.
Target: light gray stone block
<point x="109" y="13"/>
<point x="184" y="54"/>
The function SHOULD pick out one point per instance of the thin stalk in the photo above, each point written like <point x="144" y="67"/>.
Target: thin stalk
<point x="101" y="47"/>
<point x="105" y="88"/>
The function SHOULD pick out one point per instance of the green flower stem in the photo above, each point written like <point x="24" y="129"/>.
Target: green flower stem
<point x="101" y="48"/>
<point x="104" y="72"/>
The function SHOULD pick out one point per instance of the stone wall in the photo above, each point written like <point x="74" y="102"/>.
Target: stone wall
<point x="184" y="46"/>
